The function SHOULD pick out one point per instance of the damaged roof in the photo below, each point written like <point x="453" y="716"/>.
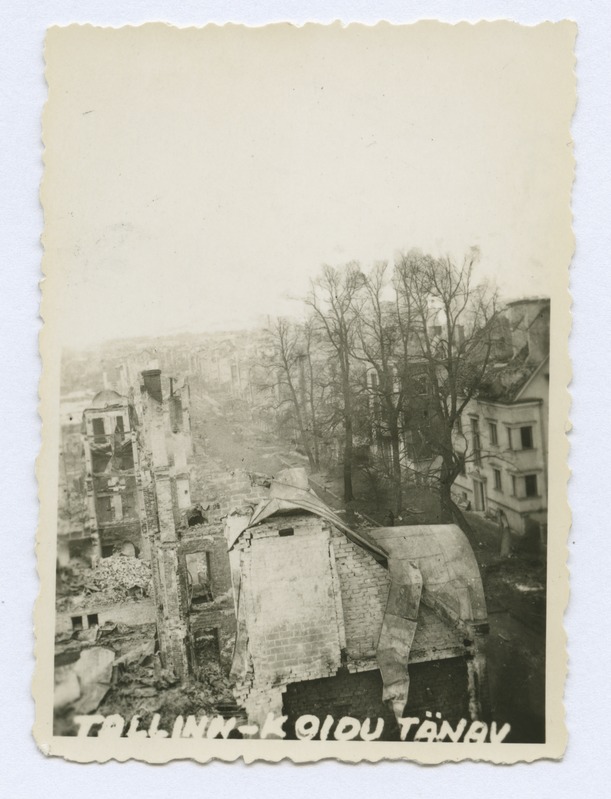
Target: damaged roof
<point x="505" y="381"/>
<point x="284" y="498"/>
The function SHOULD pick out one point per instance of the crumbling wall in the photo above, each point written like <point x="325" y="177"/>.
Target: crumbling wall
<point x="221" y="490"/>
<point x="217" y="615"/>
<point x="288" y="592"/>
<point x="221" y="622"/>
<point x="134" y="614"/>
<point x="209" y="538"/>
<point x="364" y="587"/>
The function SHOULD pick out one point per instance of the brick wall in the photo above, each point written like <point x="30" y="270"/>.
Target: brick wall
<point x="293" y="631"/>
<point x="438" y="686"/>
<point x="364" y="590"/>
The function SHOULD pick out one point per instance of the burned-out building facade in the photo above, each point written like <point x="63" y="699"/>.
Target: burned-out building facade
<point x="379" y="624"/>
<point x="112" y="475"/>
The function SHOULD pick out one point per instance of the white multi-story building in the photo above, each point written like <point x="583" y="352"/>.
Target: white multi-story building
<point x="504" y="430"/>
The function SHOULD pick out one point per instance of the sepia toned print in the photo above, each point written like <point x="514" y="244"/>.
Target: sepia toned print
<point x="304" y="396"/>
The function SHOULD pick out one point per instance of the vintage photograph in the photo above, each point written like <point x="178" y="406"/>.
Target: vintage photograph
<point x="304" y="396"/>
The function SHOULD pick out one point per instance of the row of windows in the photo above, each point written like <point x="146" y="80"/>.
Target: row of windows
<point x="526" y="485"/>
<point x="517" y="437"/>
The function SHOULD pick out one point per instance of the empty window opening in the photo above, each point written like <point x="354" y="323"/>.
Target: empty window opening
<point x="98" y="429"/>
<point x="526" y="437"/>
<point x="199" y="578"/>
<point x="494" y="439"/>
<point x="127" y="459"/>
<point x="92" y="620"/>
<point x="77" y="622"/>
<point x="108" y="550"/>
<point x="530" y="485"/>
<point x="286" y="531"/>
<point x="497" y="479"/>
<point x="196" y="516"/>
<point x="206" y="645"/>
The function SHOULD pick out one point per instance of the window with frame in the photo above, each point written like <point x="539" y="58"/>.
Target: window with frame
<point x="477" y="445"/>
<point x="494" y="438"/>
<point x="498" y="481"/>
<point x="531" y="488"/>
<point x="459" y="424"/>
<point x="514" y="486"/>
<point x="526" y="437"/>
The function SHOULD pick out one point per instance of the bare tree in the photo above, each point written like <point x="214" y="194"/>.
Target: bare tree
<point x="381" y="345"/>
<point x="334" y="300"/>
<point x="316" y="388"/>
<point x="453" y="323"/>
<point x="282" y="378"/>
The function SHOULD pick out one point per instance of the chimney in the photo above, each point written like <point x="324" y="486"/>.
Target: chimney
<point x="152" y="383"/>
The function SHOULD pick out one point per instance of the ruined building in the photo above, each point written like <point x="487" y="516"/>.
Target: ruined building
<point x="189" y="562"/>
<point x="384" y="624"/>
<point x="112" y="475"/>
<point x="73" y="537"/>
<point x="135" y="465"/>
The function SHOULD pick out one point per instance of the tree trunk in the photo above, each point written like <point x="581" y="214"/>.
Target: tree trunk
<point x="313" y="416"/>
<point x="348" y="495"/>
<point x="396" y="467"/>
<point x="445" y="500"/>
<point x="459" y="518"/>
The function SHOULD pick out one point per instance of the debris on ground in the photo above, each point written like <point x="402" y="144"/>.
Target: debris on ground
<point x="83" y="683"/>
<point x="119" y="578"/>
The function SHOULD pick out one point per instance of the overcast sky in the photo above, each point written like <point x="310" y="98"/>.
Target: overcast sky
<point x="196" y="179"/>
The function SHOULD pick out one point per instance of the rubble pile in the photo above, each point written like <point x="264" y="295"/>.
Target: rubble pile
<point x="115" y="579"/>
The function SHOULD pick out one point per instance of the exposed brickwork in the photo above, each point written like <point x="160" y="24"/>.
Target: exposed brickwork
<point x="312" y="619"/>
<point x="364" y="590"/>
<point x="304" y="640"/>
